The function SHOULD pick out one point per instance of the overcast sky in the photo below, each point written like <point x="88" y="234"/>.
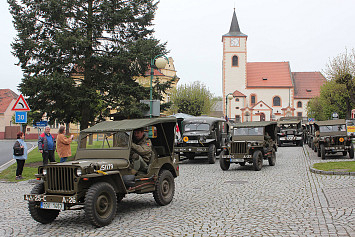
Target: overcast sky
<point x="307" y="33"/>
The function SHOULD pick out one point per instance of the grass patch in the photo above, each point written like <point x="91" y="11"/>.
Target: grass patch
<point x="346" y="166"/>
<point x="34" y="159"/>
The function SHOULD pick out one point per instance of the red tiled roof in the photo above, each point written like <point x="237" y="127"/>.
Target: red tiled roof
<point x="6" y="96"/>
<point x="307" y="84"/>
<point x="238" y="94"/>
<point x="277" y="74"/>
<point x="156" y="72"/>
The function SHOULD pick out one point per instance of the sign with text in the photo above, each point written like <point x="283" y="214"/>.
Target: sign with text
<point x="20" y="117"/>
<point x="42" y="124"/>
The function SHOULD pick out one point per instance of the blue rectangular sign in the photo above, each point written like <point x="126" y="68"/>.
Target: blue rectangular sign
<point x="41" y="123"/>
<point x="21" y="117"/>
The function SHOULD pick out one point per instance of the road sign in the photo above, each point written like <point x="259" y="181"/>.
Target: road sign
<point x="21" y="117"/>
<point x="42" y="124"/>
<point x="311" y="120"/>
<point x="21" y="105"/>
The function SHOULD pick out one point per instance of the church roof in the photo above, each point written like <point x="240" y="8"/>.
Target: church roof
<point x="307" y="84"/>
<point x="238" y="94"/>
<point x="234" y="29"/>
<point x="269" y="74"/>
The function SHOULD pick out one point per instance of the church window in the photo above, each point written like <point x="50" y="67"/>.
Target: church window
<point x="237" y="99"/>
<point x="252" y="99"/>
<point x="299" y="104"/>
<point x="276" y="101"/>
<point x="235" y="61"/>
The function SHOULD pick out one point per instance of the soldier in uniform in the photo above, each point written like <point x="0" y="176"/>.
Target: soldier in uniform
<point x="141" y="151"/>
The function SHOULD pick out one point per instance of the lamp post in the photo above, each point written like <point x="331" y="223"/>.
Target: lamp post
<point x="160" y="62"/>
<point x="229" y="96"/>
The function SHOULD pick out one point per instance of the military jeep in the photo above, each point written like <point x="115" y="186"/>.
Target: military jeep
<point x="332" y="138"/>
<point x="202" y="136"/>
<point x="290" y="132"/>
<point x="102" y="174"/>
<point x="250" y="142"/>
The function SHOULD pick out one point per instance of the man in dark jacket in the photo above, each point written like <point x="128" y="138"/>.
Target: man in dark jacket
<point x="47" y="145"/>
<point x="141" y="151"/>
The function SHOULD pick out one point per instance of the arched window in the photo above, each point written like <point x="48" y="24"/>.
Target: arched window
<point x="252" y="100"/>
<point x="276" y="101"/>
<point x="299" y="104"/>
<point x="235" y="61"/>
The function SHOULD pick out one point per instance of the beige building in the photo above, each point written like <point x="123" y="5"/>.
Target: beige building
<point x="8" y="129"/>
<point x="262" y="90"/>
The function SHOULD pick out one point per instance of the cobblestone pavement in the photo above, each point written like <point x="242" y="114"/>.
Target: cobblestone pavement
<point x="283" y="200"/>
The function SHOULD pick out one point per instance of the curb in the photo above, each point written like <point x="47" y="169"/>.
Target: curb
<point x="13" y="161"/>
<point x="313" y="170"/>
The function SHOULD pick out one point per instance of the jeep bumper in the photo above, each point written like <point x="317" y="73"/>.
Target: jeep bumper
<point x="191" y="149"/>
<point x="237" y="157"/>
<point x="51" y="198"/>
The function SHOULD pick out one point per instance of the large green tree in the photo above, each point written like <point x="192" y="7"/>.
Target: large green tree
<point x="194" y="99"/>
<point x="106" y="42"/>
<point x="341" y="70"/>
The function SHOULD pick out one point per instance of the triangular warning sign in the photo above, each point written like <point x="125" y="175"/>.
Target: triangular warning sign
<point x="21" y="105"/>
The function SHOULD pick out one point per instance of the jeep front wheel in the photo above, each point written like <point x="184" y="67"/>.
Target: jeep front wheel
<point x="257" y="160"/>
<point x="164" y="188"/>
<point x="100" y="204"/>
<point x="43" y="216"/>
<point x="272" y="158"/>
<point x="351" y="151"/>
<point x="212" y="154"/>
<point x="322" y="151"/>
<point x="223" y="162"/>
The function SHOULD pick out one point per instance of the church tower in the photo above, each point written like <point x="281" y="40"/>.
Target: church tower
<point x="234" y="63"/>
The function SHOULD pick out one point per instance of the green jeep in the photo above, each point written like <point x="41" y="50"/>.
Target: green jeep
<point x="102" y="174"/>
<point x="290" y="132"/>
<point x="332" y="138"/>
<point x="250" y="142"/>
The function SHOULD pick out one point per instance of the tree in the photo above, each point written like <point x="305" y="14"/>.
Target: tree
<point x="341" y="69"/>
<point x="193" y="99"/>
<point x="333" y="97"/>
<point x="107" y="42"/>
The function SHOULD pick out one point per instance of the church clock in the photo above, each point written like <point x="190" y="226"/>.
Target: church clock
<point x="235" y="42"/>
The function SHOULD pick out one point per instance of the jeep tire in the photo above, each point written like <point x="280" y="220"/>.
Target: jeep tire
<point x="322" y="151"/>
<point x="272" y="158"/>
<point x="164" y="188"/>
<point x="318" y="153"/>
<point x="223" y="162"/>
<point x="43" y="216"/>
<point x="351" y="151"/>
<point x="212" y="154"/>
<point x="100" y="204"/>
<point x="300" y="143"/>
<point x="257" y="160"/>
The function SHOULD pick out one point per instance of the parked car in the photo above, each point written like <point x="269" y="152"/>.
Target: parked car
<point x="290" y="131"/>
<point x="203" y="136"/>
<point x="332" y="138"/>
<point x="250" y="142"/>
<point x="101" y="174"/>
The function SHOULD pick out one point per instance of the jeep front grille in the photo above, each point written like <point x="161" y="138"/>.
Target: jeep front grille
<point x="238" y="147"/>
<point x="60" y="179"/>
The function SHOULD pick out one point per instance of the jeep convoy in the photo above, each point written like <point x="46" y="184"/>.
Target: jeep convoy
<point x="290" y="132"/>
<point x="101" y="174"/>
<point x="250" y="142"/>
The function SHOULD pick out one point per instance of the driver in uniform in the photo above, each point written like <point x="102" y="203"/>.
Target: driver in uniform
<point x="141" y="151"/>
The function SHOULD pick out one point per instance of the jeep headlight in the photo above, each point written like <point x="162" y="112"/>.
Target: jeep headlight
<point x="249" y="144"/>
<point x="44" y="171"/>
<point x="78" y="172"/>
<point x="327" y="139"/>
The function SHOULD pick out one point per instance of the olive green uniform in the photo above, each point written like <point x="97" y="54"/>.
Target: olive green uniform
<point x="141" y="153"/>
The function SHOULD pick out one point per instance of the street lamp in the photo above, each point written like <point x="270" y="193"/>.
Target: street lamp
<point x="229" y="96"/>
<point x="158" y="61"/>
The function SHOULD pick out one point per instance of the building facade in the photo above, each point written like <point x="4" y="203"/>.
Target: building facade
<point x="262" y="91"/>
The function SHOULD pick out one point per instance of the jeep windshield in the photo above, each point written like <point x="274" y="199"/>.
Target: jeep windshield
<point x="196" y="127"/>
<point x="111" y="140"/>
<point x="248" y="131"/>
<point x="333" y="128"/>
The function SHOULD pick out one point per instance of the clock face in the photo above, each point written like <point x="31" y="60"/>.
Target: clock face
<point x="235" y="42"/>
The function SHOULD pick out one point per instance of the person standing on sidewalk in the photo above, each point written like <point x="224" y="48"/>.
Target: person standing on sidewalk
<point x="46" y="145"/>
<point x="63" y="145"/>
<point x="20" y="154"/>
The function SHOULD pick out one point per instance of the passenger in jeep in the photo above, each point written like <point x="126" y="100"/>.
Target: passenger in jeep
<point x="141" y="151"/>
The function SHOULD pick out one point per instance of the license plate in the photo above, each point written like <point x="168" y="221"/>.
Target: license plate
<point x="52" y="205"/>
<point x="236" y="160"/>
